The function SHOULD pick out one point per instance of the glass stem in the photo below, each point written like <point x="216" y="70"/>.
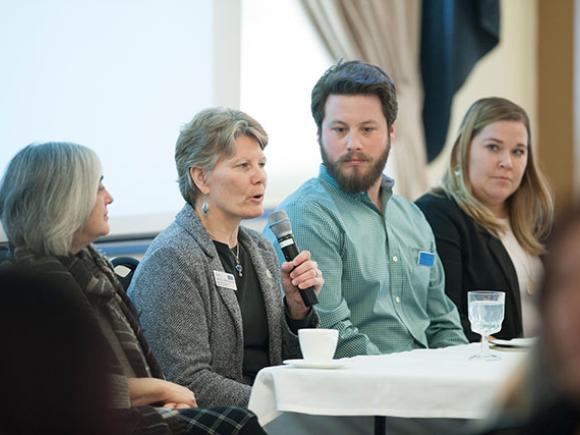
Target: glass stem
<point x="484" y="345"/>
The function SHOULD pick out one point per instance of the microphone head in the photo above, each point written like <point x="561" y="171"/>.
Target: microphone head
<point x="280" y="224"/>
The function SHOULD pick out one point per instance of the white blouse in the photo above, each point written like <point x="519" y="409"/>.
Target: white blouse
<point x="529" y="269"/>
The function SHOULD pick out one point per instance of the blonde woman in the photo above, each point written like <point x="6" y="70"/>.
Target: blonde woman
<point x="492" y="213"/>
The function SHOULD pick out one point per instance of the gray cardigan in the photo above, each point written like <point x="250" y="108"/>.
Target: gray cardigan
<point x="195" y="327"/>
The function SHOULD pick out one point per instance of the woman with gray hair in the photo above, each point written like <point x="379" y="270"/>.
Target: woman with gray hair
<point x="53" y="205"/>
<point x="209" y="290"/>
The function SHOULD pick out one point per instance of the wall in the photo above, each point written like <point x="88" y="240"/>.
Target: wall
<point x="556" y="97"/>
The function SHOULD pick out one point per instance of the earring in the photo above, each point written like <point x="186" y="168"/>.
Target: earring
<point x="204" y="207"/>
<point x="457" y="171"/>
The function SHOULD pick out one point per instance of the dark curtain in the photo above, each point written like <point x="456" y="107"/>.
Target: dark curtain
<point x="455" y="34"/>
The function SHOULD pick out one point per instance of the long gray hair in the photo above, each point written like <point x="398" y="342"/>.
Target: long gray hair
<point x="47" y="193"/>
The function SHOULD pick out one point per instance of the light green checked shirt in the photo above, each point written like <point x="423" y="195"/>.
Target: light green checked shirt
<point x="376" y="293"/>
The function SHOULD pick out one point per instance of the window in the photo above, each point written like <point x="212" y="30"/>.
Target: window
<point x="281" y="60"/>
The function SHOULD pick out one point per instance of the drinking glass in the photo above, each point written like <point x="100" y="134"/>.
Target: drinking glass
<point x="486" y="312"/>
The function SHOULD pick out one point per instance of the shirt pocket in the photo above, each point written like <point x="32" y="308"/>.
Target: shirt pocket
<point x="420" y="272"/>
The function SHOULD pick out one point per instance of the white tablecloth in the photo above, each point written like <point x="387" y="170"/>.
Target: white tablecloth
<point x="440" y="383"/>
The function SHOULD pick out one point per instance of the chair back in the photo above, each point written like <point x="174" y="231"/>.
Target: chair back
<point x="124" y="268"/>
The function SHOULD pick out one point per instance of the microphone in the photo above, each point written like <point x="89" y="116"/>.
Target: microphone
<point x="280" y="225"/>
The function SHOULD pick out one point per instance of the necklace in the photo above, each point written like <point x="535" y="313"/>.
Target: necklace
<point x="236" y="255"/>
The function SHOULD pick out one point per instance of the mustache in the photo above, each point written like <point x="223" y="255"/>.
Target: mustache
<point x="357" y="155"/>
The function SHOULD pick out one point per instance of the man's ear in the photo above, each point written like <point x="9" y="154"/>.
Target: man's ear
<point x="198" y="177"/>
<point x="392" y="132"/>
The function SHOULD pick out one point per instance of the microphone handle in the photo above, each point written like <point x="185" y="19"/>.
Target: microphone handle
<point x="290" y="251"/>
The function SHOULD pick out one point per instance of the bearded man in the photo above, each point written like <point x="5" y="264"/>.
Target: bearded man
<point x="384" y="283"/>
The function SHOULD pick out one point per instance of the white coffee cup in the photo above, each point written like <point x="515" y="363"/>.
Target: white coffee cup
<point x="318" y="344"/>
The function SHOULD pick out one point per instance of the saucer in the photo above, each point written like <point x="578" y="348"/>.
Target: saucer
<point x="514" y="342"/>
<point x="305" y="364"/>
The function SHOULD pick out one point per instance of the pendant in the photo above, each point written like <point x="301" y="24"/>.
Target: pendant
<point x="532" y="287"/>
<point x="240" y="269"/>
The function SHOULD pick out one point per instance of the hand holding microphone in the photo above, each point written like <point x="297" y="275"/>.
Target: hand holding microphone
<point x="301" y="277"/>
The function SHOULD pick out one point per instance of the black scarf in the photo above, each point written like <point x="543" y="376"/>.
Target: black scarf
<point x="95" y="277"/>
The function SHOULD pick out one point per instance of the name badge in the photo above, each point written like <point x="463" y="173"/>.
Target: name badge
<point x="426" y="258"/>
<point x="225" y="280"/>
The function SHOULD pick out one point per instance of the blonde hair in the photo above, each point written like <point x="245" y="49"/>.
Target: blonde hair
<point x="47" y="194"/>
<point x="530" y="208"/>
<point x="210" y="135"/>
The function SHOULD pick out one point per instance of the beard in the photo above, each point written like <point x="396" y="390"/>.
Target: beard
<point x="357" y="180"/>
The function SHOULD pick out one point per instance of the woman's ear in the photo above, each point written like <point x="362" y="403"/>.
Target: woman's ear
<point x="198" y="177"/>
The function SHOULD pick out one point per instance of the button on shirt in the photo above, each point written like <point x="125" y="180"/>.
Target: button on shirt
<point x="376" y="293"/>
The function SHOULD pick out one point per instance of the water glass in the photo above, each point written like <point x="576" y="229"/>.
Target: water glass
<point x="486" y="312"/>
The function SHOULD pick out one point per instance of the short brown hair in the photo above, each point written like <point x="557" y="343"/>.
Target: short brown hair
<point x="354" y="78"/>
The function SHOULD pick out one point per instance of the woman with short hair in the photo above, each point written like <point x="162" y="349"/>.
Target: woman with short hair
<point x="53" y="204"/>
<point x="209" y="289"/>
<point x="492" y="213"/>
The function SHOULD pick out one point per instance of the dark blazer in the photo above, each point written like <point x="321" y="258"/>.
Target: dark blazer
<point x="473" y="259"/>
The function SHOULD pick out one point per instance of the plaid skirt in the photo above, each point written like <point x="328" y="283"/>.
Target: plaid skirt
<point x="227" y="420"/>
<point x="221" y="420"/>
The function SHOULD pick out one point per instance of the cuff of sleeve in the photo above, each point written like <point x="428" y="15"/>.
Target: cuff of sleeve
<point x="309" y="321"/>
<point x="120" y="392"/>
